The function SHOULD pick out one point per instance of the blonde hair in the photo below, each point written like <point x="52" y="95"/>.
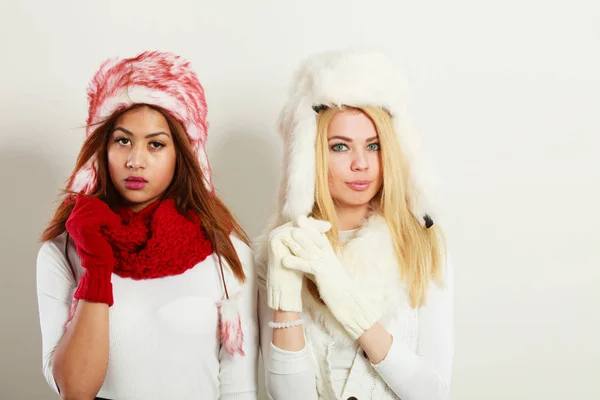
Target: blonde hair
<point x="420" y="251"/>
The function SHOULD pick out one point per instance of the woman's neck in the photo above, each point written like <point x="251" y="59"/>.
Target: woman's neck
<point x="351" y="217"/>
<point x="139" y="210"/>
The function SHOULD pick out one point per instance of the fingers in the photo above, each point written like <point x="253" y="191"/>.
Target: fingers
<point x="313" y="224"/>
<point x="304" y="241"/>
<point x="281" y="229"/>
<point x="310" y="239"/>
<point x="311" y="242"/>
<point x="277" y="248"/>
<point x="297" y="264"/>
<point x="278" y="233"/>
<point x="276" y="245"/>
<point x="300" y="249"/>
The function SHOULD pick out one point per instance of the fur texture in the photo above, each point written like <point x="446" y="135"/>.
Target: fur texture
<point x="345" y="78"/>
<point x="230" y="326"/>
<point x="156" y="78"/>
<point x="370" y="260"/>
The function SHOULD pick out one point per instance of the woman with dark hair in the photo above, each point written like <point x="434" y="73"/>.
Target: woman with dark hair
<point x="145" y="279"/>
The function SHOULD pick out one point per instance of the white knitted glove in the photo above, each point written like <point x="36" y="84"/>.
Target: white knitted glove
<point x="313" y="255"/>
<point x="284" y="286"/>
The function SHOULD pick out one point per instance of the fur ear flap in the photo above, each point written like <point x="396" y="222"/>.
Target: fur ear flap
<point x="84" y="180"/>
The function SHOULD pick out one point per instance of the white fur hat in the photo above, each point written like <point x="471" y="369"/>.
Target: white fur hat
<point x="349" y="78"/>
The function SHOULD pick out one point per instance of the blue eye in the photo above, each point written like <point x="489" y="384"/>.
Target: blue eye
<point x="339" y="147"/>
<point x="374" y="147"/>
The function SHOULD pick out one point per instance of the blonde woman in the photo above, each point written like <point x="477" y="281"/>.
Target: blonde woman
<point x="355" y="287"/>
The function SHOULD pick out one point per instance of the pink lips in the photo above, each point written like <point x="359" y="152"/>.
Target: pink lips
<point x="359" y="185"/>
<point x="135" y="183"/>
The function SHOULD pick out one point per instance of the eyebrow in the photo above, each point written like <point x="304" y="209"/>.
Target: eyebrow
<point x="119" y="128"/>
<point x="347" y="139"/>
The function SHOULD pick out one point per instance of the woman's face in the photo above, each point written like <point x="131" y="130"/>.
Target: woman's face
<point x="355" y="174"/>
<point x="141" y="156"/>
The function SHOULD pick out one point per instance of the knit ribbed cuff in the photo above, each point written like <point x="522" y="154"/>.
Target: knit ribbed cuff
<point x="96" y="288"/>
<point x="284" y="300"/>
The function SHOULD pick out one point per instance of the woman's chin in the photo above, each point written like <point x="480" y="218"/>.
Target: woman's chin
<point x="357" y="199"/>
<point x="136" y="199"/>
<point x="355" y="202"/>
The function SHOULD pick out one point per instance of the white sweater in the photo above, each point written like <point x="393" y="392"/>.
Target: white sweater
<point x="164" y="341"/>
<point x="415" y="368"/>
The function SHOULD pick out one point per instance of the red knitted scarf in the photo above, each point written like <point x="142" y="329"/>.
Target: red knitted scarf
<point x="157" y="241"/>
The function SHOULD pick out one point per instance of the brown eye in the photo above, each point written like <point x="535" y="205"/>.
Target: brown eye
<point x="156" y="145"/>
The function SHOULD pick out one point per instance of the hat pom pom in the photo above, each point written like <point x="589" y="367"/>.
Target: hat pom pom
<point x="230" y="324"/>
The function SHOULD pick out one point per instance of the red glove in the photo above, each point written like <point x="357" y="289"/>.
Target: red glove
<point x="88" y="216"/>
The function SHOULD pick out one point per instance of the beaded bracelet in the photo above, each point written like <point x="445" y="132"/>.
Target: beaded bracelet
<point x="291" y="324"/>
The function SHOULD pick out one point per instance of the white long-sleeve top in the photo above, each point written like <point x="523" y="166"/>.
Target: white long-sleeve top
<point x="416" y="368"/>
<point x="164" y="341"/>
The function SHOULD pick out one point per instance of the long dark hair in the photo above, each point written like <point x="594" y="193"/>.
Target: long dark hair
<point x="187" y="189"/>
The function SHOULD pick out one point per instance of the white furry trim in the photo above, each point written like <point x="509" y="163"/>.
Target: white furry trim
<point x="370" y="261"/>
<point x="298" y="180"/>
<point x="85" y="178"/>
<point x="130" y="95"/>
<point x="344" y="78"/>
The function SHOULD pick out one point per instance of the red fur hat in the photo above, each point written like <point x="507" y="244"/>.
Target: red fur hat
<point x="155" y="78"/>
<point x="167" y="81"/>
